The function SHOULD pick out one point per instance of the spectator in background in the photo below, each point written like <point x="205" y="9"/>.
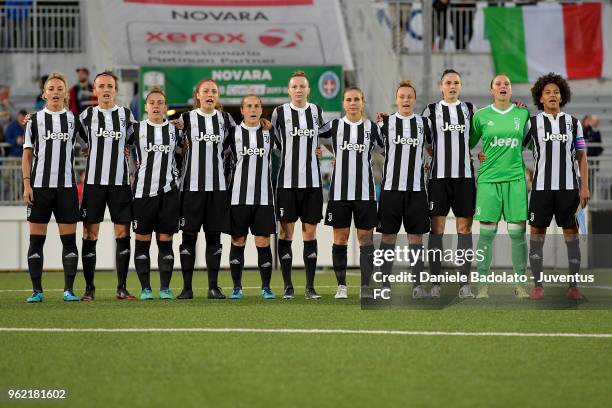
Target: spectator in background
<point x="81" y="95"/>
<point x="439" y="23"/>
<point x="399" y="11"/>
<point x="462" y="19"/>
<point x="6" y="108"/>
<point x="39" y="104"/>
<point x="590" y="126"/>
<point x="14" y="135"/>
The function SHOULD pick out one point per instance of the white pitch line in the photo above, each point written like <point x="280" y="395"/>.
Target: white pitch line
<point x="298" y="331"/>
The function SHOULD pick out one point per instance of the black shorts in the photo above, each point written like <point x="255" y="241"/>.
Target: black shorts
<point x="303" y="203"/>
<point x="259" y="219"/>
<point x="209" y="210"/>
<point x="63" y="202"/>
<point x="159" y="213"/>
<point x="458" y="194"/>
<point x="340" y="213"/>
<point x="407" y="206"/>
<point x="543" y="204"/>
<point x="97" y="197"/>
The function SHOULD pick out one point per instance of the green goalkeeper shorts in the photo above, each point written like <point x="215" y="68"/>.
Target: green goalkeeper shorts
<point x="508" y="198"/>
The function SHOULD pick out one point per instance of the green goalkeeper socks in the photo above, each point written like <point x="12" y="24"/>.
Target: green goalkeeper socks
<point x="485" y="248"/>
<point x="519" y="248"/>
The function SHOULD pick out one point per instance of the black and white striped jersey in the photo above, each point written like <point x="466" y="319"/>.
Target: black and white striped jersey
<point x="155" y="148"/>
<point x="108" y="131"/>
<point x="352" y="144"/>
<point x="403" y="138"/>
<point x="51" y="136"/>
<point x="251" y="148"/>
<point x="203" y="166"/>
<point x="450" y="129"/>
<point x="555" y="142"/>
<point x="298" y="132"/>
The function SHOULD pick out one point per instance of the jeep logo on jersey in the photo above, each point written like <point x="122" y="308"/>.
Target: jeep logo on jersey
<point x="302" y="132"/>
<point x="57" y="136"/>
<point x="162" y="148"/>
<point x="253" y="151"/>
<point x="409" y="141"/>
<point x="202" y="137"/>
<point x="555" y="137"/>
<point x="353" y="146"/>
<point x="453" y="128"/>
<point x="109" y="134"/>
<point x="504" y="142"/>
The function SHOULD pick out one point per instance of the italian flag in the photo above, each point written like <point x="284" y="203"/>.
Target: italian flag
<point x="530" y="41"/>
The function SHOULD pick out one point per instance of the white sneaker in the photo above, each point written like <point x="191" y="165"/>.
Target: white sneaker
<point x="341" y="292"/>
<point x="419" y="292"/>
<point x="435" y="291"/>
<point x="483" y="292"/>
<point x="465" y="292"/>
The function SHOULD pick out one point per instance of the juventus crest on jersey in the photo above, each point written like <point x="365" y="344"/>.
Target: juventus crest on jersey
<point x="108" y="131"/>
<point x="403" y="138"/>
<point x="450" y="128"/>
<point x="555" y="141"/>
<point x="52" y="135"/>
<point x="203" y="167"/>
<point x="251" y="147"/>
<point x="352" y="144"/>
<point x="155" y="148"/>
<point x="298" y="132"/>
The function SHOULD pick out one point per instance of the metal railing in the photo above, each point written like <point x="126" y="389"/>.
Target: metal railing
<point x="456" y="25"/>
<point x="39" y="26"/>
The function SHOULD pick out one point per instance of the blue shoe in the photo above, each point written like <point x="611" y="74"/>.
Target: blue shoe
<point x="36" y="297"/>
<point x="146" y="294"/>
<point x="69" y="296"/>
<point x="166" y="294"/>
<point x="236" y="293"/>
<point x="267" y="294"/>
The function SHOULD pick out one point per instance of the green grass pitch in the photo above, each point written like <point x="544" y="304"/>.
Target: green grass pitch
<point x="206" y="369"/>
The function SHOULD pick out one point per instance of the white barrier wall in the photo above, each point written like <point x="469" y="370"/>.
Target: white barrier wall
<point x="14" y="240"/>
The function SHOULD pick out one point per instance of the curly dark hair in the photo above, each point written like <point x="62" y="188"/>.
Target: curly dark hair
<point x="551" y="78"/>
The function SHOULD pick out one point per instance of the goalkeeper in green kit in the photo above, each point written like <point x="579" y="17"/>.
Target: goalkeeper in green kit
<point x="501" y="186"/>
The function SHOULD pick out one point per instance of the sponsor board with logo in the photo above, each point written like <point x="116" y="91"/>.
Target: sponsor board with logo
<point x="181" y="33"/>
<point x="269" y="82"/>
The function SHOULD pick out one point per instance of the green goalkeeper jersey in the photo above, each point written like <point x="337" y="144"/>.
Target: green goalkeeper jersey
<point x="502" y="134"/>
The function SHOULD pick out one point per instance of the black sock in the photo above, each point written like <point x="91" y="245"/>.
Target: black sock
<point x="285" y="255"/>
<point x="70" y="259"/>
<point x="310" y="261"/>
<point x="366" y="263"/>
<point x="88" y="257"/>
<point x="339" y="261"/>
<point x="573" y="259"/>
<point x="416" y="260"/>
<point x="142" y="262"/>
<point x="122" y="260"/>
<point x="213" y="258"/>
<point x="165" y="263"/>
<point x="536" y="260"/>
<point x="465" y="243"/>
<point x="387" y="267"/>
<point x="236" y="264"/>
<point x="187" y="253"/>
<point x="435" y="258"/>
<point x="35" y="261"/>
<point x="264" y="260"/>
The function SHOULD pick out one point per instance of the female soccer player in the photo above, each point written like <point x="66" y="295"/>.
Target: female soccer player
<point x="298" y="191"/>
<point x="403" y="197"/>
<point x="156" y="198"/>
<point x="205" y="197"/>
<point x="49" y="184"/>
<point x="351" y="196"/>
<point x="451" y="177"/>
<point x="556" y="140"/>
<point x="108" y="127"/>
<point x="502" y="188"/>
<point x="252" y="200"/>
